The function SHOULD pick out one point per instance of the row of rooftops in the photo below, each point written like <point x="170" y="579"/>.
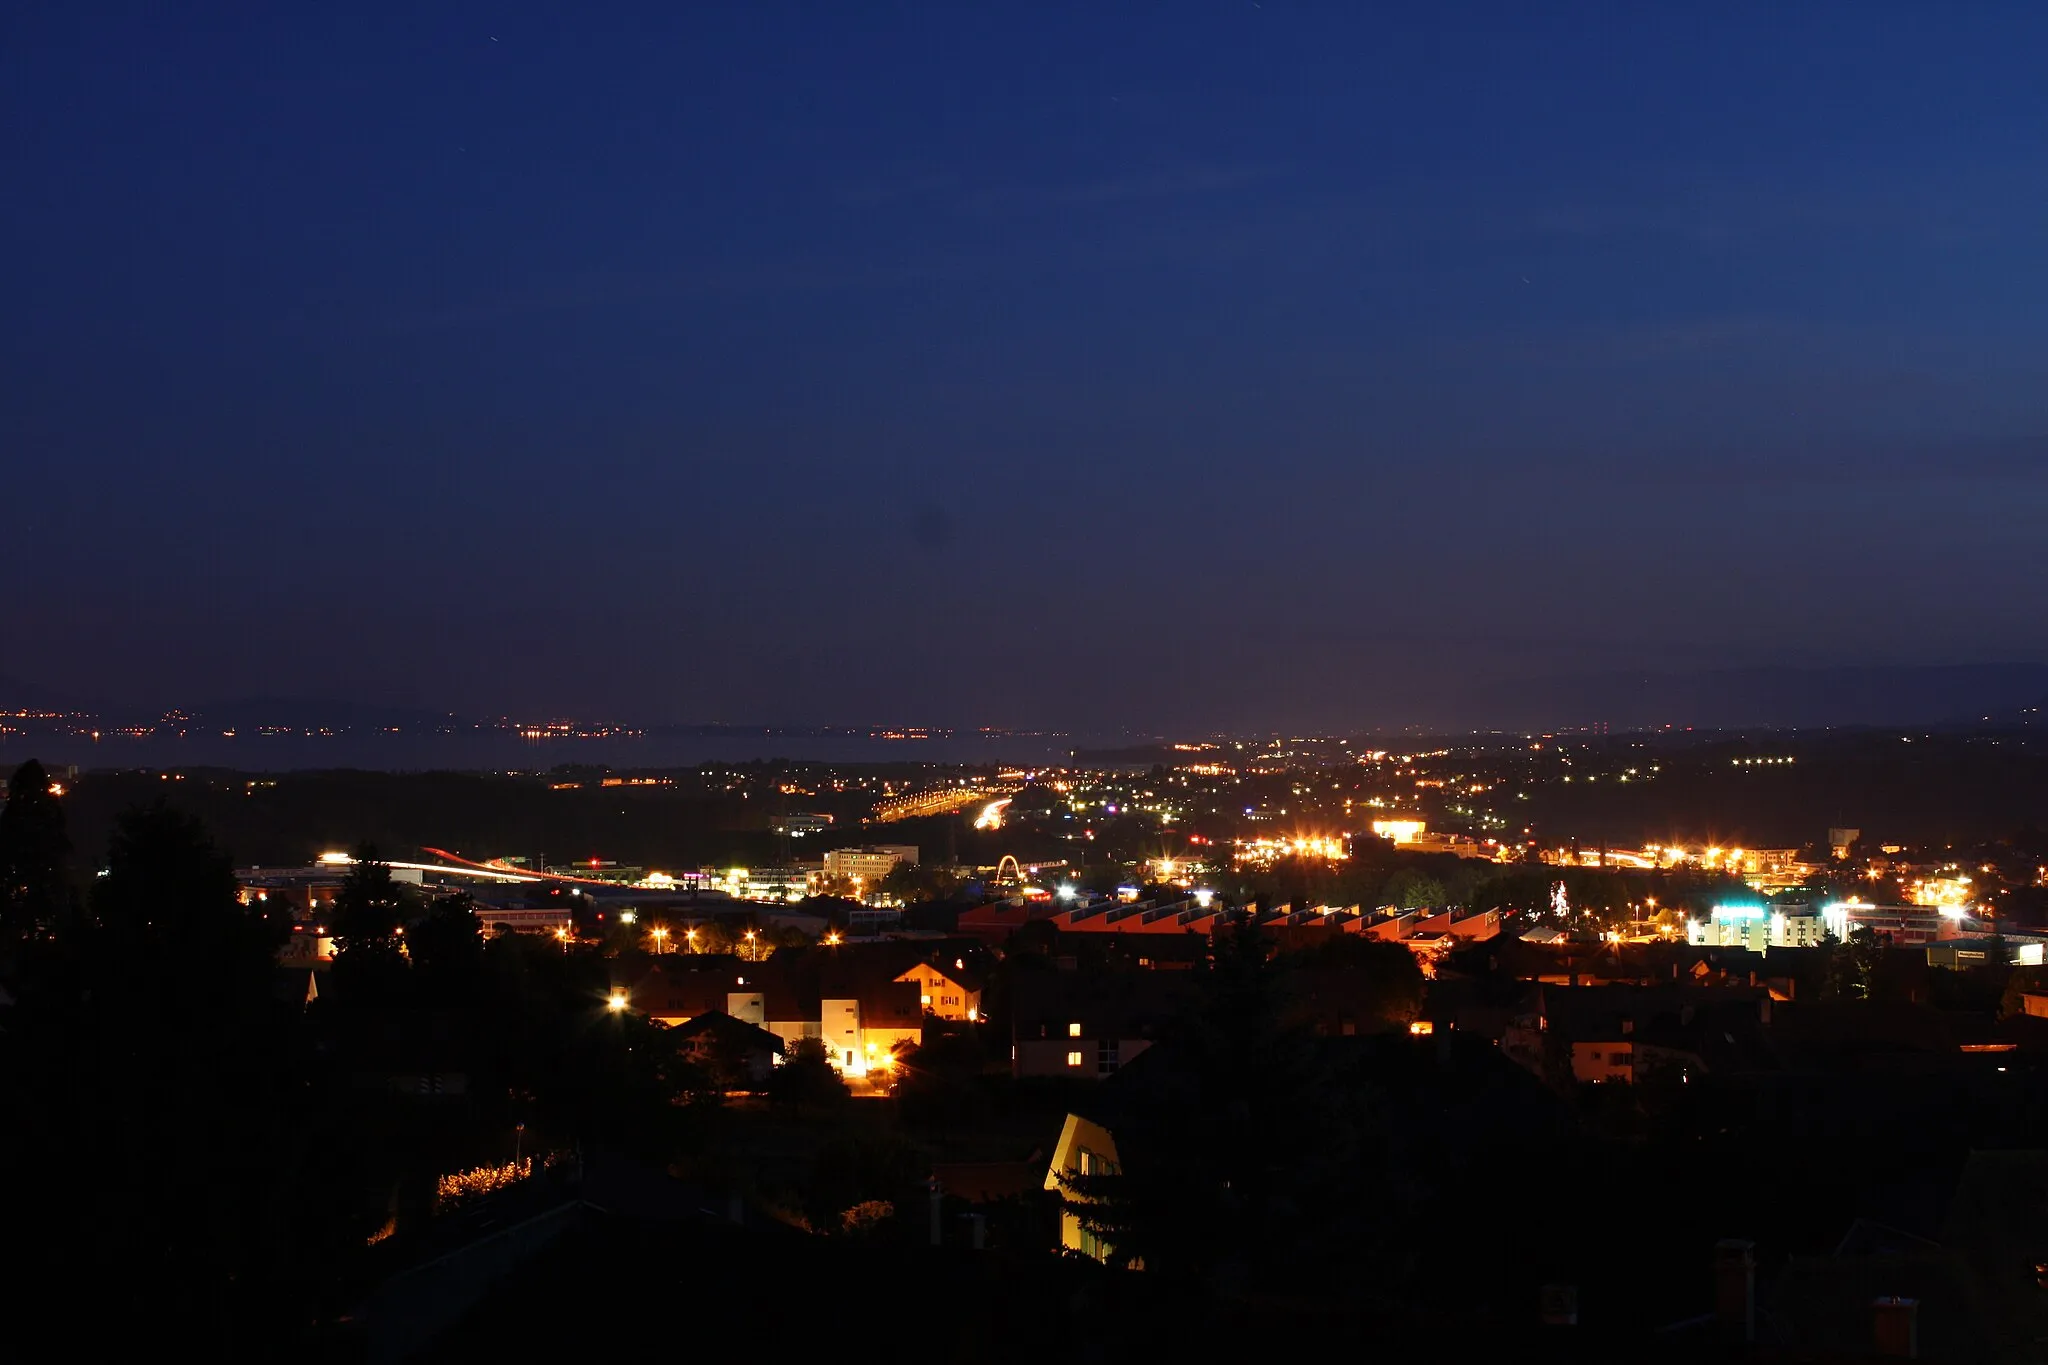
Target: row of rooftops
<point x="793" y="981"/>
<point x="993" y="923"/>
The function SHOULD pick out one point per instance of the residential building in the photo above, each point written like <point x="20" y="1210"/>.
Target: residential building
<point x="1759" y="927"/>
<point x="779" y="884"/>
<point x="848" y="999"/>
<point x="1899" y="924"/>
<point x="947" y="991"/>
<point x="1088" y="1025"/>
<point x="866" y="866"/>
<point x="1085" y="1148"/>
<point x="717" y="1040"/>
<point x="680" y="987"/>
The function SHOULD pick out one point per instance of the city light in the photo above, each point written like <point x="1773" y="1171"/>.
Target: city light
<point x="1260" y="852"/>
<point x="617" y="1003"/>
<point x="450" y="1190"/>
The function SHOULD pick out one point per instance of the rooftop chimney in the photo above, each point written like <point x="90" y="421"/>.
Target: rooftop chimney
<point x="1896" y="1327"/>
<point x="1735" y="1288"/>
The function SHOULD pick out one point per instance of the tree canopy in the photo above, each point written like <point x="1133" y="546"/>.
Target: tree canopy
<point x="34" y="852"/>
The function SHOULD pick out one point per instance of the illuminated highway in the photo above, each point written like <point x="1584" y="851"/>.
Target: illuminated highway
<point x="941" y="801"/>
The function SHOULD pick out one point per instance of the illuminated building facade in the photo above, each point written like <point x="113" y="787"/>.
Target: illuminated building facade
<point x="1759" y="927"/>
<point x="1899" y="924"/>
<point x="868" y="865"/>
<point x="777" y="884"/>
<point x="1085" y="1148"/>
<point x="954" y="994"/>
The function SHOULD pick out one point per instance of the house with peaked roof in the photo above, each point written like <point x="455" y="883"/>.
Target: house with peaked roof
<point x="1086" y="1025"/>
<point x="850" y="1001"/>
<point x="1085" y="1149"/>
<point x="720" y="1043"/>
<point x="947" y="989"/>
<point x="680" y="987"/>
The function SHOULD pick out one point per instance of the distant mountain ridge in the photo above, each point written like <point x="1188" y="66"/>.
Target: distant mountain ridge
<point x="1786" y="698"/>
<point x="319" y="712"/>
<point x="19" y="694"/>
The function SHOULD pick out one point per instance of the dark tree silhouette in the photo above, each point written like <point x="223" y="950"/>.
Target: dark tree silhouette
<point x="1853" y="965"/>
<point x="370" y="912"/>
<point x="1240" y="1152"/>
<point x="169" y="904"/>
<point x="447" y="948"/>
<point x="806" y="1080"/>
<point x="34" y="850"/>
<point x="1390" y="972"/>
<point x="154" y="1064"/>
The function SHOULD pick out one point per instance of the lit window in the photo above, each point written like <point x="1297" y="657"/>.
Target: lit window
<point x="1073" y="1030"/>
<point x="1073" y="1059"/>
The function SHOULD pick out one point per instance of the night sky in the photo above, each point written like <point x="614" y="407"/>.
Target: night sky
<point x="1199" y="364"/>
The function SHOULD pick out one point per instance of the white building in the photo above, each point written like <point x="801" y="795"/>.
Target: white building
<point x="1759" y="927"/>
<point x="870" y="864"/>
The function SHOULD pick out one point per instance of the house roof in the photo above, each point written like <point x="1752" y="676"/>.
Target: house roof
<point x="1826" y="1304"/>
<point x="982" y="1182"/>
<point x="1858" y="1034"/>
<point x="1133" y="1004"/>
<point x="720" y="1025"/>
<point x="684" y="985"/>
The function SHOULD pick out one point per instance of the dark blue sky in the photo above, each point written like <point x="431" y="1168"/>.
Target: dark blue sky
<point x="1206" y="363"/>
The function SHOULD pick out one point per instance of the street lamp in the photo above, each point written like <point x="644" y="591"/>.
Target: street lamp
<point x="750" y="945"/>
<point x="617" y="1003"/>
<point x="691" y="935"/>
<point x="660" y="939"/>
